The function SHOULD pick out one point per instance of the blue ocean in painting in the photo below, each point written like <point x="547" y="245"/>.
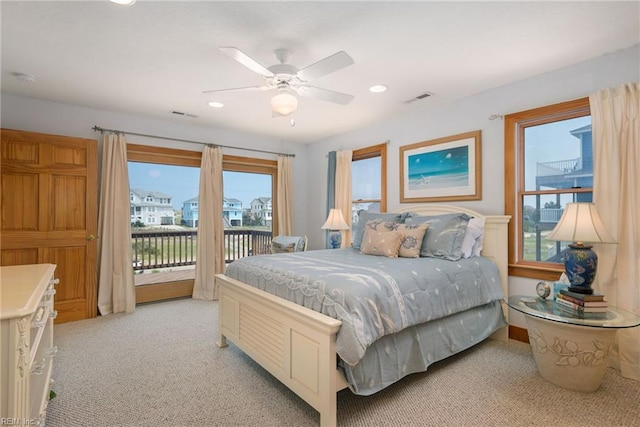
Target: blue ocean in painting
<point x="439" y="169"/>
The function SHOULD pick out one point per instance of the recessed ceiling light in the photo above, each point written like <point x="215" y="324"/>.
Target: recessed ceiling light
<point x="216" y="104"/>
<point x="123" y="2"/>
<point x="378" y="88"/>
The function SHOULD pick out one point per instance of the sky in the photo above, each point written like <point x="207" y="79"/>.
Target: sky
<point x="365" y="175"/>
<point x="182" y="182"/>
<point x="551" y="142"/>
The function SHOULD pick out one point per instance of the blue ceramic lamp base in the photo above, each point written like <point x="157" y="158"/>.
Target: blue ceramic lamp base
<point x="335" y="239"/>
<point x="580" y="265"/>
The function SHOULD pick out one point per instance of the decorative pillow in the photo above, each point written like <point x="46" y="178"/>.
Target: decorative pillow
<point x="444" y="236"/>
<point x="413" y="236"/>
<point x="381" y="242"/>
<point x="364" y="217"/>
<point x="473" y="238"/>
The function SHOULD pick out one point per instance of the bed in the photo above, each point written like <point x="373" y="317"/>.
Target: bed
<point x="300" y="345"/>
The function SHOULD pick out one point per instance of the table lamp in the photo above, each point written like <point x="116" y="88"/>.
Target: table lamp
<point x="335" y="223"/>
<point x="580" y="223"/>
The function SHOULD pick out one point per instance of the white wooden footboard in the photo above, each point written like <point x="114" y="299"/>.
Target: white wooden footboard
<point x="295" y="344"/>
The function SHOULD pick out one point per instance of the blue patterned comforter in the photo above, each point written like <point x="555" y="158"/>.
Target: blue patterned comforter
<point x="373" y="296"/>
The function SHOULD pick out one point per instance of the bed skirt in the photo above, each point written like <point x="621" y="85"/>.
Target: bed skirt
<point x="414" y="349"/>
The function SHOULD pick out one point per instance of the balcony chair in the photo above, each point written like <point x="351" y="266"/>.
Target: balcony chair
<point x="281" y="244"/>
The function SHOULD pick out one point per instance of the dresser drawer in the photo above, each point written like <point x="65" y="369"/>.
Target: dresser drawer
<point x="41" y="317"/>
<point x="40" y="374"/>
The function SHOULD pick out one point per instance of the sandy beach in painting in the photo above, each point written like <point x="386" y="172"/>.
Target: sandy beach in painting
<point x="432" y="182"/>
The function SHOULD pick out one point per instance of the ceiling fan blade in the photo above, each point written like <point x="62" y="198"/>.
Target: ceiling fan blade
<point x="325" y="94"/>
<point x="327" y="65"/>
<point x="238" y="89"/>
<point x="245" y="60"/>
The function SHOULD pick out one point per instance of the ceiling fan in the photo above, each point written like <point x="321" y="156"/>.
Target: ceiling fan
<point x="289" y="80"/>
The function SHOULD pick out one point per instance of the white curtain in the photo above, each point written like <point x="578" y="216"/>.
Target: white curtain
<point x="285" y="195"/>
<point x="343" y="191"/>
<point x="210" y="249"/>
<point x="615" y="116"/>
<point x="116" y="291"/>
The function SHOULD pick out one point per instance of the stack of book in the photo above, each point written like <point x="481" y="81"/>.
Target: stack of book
<point x="592" y="306"/>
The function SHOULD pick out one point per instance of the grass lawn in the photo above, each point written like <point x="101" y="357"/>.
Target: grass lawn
<point x="547" y="249"/>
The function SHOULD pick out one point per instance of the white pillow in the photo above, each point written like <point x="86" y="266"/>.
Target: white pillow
<point x="472" y="241"/>
<point x="477" y="246"/>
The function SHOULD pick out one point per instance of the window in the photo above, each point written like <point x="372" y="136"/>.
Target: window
<point x="253" y="182"/>
<point x="369" y="180"/>
<point x="548" y="163"/>
<point x="164" y="229"/>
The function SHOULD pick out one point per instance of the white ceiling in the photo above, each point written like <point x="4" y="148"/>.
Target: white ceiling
<point x="155" y="57"/>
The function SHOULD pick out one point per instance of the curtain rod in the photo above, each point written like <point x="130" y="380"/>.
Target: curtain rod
<point x="102" y="130"/>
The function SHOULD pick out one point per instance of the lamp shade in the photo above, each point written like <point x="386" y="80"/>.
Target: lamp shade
<point x="580" y="223"/>
<point x="335" y="221"/>
<point x="284" y="103"/>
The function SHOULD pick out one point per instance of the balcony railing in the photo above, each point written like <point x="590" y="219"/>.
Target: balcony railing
<point x="558" y="167"/>
<point x="550" y="215"/>
<point x="163" y="249"/>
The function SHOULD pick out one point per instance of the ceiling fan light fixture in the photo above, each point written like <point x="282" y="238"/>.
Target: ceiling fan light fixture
<point x="123" y="2"/>
<point x="284" y="103"/>
<point x="216" y="104"/>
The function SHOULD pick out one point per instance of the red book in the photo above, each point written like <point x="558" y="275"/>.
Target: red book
<point x="578" y="308"/>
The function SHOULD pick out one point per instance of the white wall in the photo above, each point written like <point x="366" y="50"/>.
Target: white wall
<point x="33" y="115"/>
<point x="422" y="123"/>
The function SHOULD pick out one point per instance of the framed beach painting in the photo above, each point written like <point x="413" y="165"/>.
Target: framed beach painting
<point x="442" y="170"/>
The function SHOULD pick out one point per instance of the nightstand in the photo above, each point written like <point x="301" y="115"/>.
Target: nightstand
<point x="570" y="351"/>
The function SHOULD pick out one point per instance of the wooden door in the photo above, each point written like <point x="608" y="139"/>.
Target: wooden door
<point x="49" y="186"/>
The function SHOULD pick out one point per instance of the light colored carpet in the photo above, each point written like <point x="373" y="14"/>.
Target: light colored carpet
<point x="160" y="366"/>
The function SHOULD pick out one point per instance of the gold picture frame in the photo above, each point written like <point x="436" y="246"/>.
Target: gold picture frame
<point x="442" y="170"/>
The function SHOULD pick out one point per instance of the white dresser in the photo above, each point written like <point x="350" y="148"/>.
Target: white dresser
<point x="27" y="350"/>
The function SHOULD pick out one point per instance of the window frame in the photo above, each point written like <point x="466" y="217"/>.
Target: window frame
<point x="379" y="150"/>
<point x="514" y="126"/>
<point x="179" y="157"/>
<point x="262" y="166"/>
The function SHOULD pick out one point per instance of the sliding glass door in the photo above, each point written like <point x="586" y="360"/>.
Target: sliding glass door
<point x="164" y="215"/>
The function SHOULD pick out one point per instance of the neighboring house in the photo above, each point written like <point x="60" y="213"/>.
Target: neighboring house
<point x="231" y="212"/>
<point x="190" y="212"/>
<point x="151" y="207"/>
<point x="261" y="208"/>
<point x="569" y="173"/>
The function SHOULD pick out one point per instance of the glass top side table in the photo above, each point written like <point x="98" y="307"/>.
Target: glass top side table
<point x="546" y="309"/>
<point x="570" y="351"/>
